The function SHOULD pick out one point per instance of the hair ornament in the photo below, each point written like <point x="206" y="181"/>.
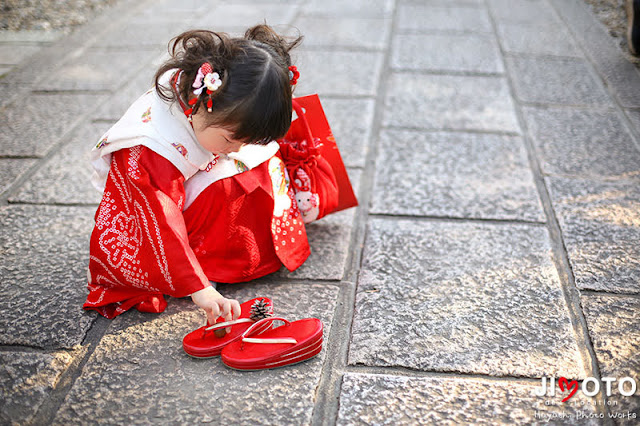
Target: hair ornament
<point x="294" y="74"/>
<point x="206" y="78"/>
<point x="212" y="81"/>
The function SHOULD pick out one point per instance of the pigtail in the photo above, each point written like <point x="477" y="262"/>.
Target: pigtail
<point x="252" y="91"/>
<point x="188" y="52"/>
<point x="281" y="45"/>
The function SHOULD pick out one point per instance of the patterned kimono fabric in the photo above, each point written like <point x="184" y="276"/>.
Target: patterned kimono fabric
<point x="173" y="217"/>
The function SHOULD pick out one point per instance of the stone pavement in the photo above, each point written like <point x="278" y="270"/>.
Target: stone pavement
<point x="494" y="145"/>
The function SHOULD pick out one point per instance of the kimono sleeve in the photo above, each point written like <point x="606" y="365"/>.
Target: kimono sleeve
<point x="139" y="245"/>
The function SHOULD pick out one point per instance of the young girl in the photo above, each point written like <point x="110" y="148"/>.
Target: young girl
<point x="194" y="187"/>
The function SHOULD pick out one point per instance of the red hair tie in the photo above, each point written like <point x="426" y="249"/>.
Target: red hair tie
<point x="294" y="74"/>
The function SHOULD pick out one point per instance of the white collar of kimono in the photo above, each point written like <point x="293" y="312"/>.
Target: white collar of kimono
<point x="163" y="128"/>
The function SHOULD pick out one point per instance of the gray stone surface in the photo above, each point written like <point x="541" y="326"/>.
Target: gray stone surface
<point x="450" y="102"/>
<point x="621" y="76"/>
<point x="140" y="373"/>
<point x="535" y="12"/>
<point x="454" y="319"/>
<point x="582" y="142"/>
<point x="10" y="91"/>
<point x="38" y="124"/>
<point x="225" y="17"/>
<point x="96" y="68"/>
<point x="4" y="70"/>
<point x="614" y="327"/>
<point x="468" y="297"/>
<point x="15" y="53"/>
<point x="368" y="33"/>
<point x="634" y="117"/>
<point x="335" y="72"/>
<point x="600" y="223"/>
<point x="30" y="36"/>
<point x="66" y="178"/>
<point x="11" y="169"/>
<point x="186" y="10"/>
<point x="350" y="121"/>
<point x="26" y="381"/>
<point x="330" y="240"/>
<point x="458" y="175"/>
<point x="445" y="15"/>
<point x="145" y="32"/>
<point x="392" y="400"/>
<point x="548" y="39"/>
<point x="43" y="274"/>
<point x="118" y="103"/>
<point x="358" y="8"/>
<point x="550" y="80"/>
<point x="447" y="52"/>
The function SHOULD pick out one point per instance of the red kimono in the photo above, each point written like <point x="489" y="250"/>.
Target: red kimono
<point x="173" y="216"/>
<point x="144" y="246"/>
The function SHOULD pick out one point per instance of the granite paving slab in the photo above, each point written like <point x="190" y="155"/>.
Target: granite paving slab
<point x="66" y="177"/>
<point x="30" y="36"/>
<point x="368" y="33"/>
<point x="12" y="54"/>
<point x="447" y="52"/>
<point x="26" y="381"/>
<point x="582" y="142"/>
<point x="442" y="16"/>
<point x="391" y="400"/>
<point x="634" y="117"/>
<point x="330" y="239"/>
<point x="9" y="90"/>
<point x="614" y="327"/>
<point x="96" y="69"/>
<point x="469" y="297"/>
<point x="358" y="8"/>
<point x="620" y="74"/>
<point x="443" y="3"/>
<point x="145" y="33"/>
<point x="600" y="223"/>
<point x="466" y="175"/>
<point x="555" y="80"/>
<point x="546" y="39"/>
<point x="139" y="370"/>
<point x="448" y="102"/>
<point x="11" y="169"/>
<point x="43" y="275"/>
<point x="535" y="12"/>
<point x="37" y="125"/>
<point x="118" y="103"/>
<point x="351" y="121"/>
<point x="4" y="70"/>
<point x="226" y="17"/>
<point x="359" y="72"/>
<point x="174" y="9"/>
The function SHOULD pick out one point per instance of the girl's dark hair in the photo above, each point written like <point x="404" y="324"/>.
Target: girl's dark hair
<point x="254" y="100"/>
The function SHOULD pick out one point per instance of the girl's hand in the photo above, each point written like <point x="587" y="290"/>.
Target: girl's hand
<point x="216" y="305"/>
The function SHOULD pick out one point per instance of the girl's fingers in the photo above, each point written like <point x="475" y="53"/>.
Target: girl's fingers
<point x="235" y="306"/>
<point x="225" y="312"/>
<point x="215" y="311"/>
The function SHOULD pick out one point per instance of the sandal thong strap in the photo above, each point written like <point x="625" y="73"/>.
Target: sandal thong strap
<point x="258" y="324"/>
<point x="228" y="323"/>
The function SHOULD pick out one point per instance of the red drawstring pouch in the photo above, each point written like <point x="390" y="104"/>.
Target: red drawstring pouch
<point x="317" y="172"/>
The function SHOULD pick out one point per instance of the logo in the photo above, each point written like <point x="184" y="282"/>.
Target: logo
<point x="591" y="386"/>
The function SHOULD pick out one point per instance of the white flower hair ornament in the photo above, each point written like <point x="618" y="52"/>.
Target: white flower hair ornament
<point x="212" y="81"/>
<point x="206" y="78"/>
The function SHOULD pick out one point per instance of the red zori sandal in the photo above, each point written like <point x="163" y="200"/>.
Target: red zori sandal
<point x="208" y="341"/>
<point x="288" y="344"/>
